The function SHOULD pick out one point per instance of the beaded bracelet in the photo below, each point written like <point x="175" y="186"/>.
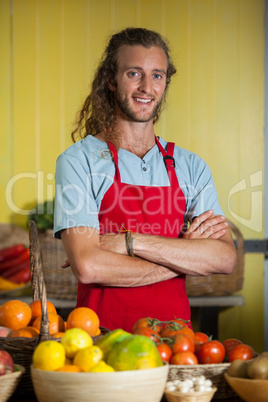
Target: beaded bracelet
<point x="129" y="243"/>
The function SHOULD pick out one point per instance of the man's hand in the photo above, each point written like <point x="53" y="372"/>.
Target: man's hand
<point x="207" y="226"/>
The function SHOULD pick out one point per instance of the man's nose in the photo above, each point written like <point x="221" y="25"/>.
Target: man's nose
<point x="145" y="84"/>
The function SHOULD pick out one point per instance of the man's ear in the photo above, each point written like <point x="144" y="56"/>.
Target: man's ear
<point x="111" y="84"/>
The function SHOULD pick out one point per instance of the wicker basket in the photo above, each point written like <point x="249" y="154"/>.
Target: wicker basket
<point x="9" y="382"/>
<point x="213" y="372"/>
<point x="60" y="283"/>
<point x="176" y="396"/>
<point x="21" y="349"/>
<point x="220" y="285"/>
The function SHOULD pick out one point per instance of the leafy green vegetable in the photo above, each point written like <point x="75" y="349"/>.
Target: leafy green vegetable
<point x="43" y="215"/>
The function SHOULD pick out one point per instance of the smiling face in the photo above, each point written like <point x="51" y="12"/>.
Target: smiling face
<point x="140" y="82"/>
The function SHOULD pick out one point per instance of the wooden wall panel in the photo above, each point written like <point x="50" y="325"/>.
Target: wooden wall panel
<point x="6" y="128"/>
<point x="49" y="50"/>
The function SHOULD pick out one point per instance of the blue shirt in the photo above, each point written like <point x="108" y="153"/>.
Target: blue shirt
<point x="85" y="171"/>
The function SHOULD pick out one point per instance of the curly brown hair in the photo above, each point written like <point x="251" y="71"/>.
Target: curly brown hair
<point x="98" y="111"/>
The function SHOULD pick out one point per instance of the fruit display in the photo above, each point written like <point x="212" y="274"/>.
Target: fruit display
<point x="14" y="267"/>
<point x="256" y="368"/>
<point x="180" y="345"/>
<point x="115" y="351"/>
<point x="19" y="319"/>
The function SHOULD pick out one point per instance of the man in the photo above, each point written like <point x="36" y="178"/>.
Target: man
<point x="123" y="196"/>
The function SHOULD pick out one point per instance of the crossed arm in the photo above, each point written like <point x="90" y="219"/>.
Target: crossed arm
<point x="206" y="248"/>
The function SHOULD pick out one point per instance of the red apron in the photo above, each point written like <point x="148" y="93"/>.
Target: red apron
<point x="148" y="210"/>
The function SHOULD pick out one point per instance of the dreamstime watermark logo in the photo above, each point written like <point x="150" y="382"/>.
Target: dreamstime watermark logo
<point x="254" y="222"/>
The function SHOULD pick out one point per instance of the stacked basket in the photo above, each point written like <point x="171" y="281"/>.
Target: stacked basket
<point x="220" y="285"/>
<point x="60" y="283"/>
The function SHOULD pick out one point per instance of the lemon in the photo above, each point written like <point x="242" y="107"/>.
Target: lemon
<point x="109" y="340"/>
<point x="136" y="352"/>
<point x="49" y="356"/>
<point x="75" y="339"/>
<point x="101" y="367"/>
<point x="88" y="357"/>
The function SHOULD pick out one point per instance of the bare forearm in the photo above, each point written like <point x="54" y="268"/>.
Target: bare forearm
<point x="206" y="247"/>
<point x="108" y="268"/>
<point x="191" y="257"/>
<point x="111" y="269"/>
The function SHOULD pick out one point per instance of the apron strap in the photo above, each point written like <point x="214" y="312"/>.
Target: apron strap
<point x="113" y="151"/>
<point x="167" y="156"/>
<point x="169" y="161"/>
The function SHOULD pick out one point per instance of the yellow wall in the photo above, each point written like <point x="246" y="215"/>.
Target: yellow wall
<point x="48" y="51"/>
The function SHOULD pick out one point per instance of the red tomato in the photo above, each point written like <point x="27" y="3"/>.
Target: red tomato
<point x="210" y="352"/>
<point x="147" y="332"/>
<point x="187" y="331"/>
<point x="229" y="344"/>
<point x="200" y="337"/>
<point x="164" y="351"/>
<point x="168" y="332"/>
<point x="241" y="352"/>
<point x="184" y="358"/>
<point x="182" y="343"/>
<point x="147" y="322"/>
<point x="180" y="321"/>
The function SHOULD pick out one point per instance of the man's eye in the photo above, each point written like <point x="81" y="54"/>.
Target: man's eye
<point x="158" y="76"/>
<point x="133" y="74"/>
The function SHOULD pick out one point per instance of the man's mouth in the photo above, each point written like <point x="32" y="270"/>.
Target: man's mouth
<point x="142" y="100"/>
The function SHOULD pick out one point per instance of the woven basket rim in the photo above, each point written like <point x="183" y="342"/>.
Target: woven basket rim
<point x="198" y="366"/>
<point x="13" y="375"/>
<point x="195" y="393"/>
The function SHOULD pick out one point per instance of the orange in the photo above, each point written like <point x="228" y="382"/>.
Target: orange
<point x="27" y="332"/>
<point x="98" y="332"/>
<point x="56" y="323"/>
<point x="58" y="334"/>
<point x="35" y="306"/>
<point x="15" y="314"/>
<point x="84" y="318"/>
<point x="71" y="368"/>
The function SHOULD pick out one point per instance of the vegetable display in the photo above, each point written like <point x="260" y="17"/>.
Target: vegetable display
<point x="14" y="267"/>
<point x="180" y="345"/>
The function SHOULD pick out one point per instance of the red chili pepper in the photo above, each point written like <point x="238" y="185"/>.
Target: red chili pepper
<point x="11" y="252"/>
<point x="15" y="261"/>
<point x="13" y="270"/>
<point x="24" y="275"/>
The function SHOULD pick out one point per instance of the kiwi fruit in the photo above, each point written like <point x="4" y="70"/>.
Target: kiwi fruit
<point x="238" y="368"/>
<point x="258" y="368"/>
